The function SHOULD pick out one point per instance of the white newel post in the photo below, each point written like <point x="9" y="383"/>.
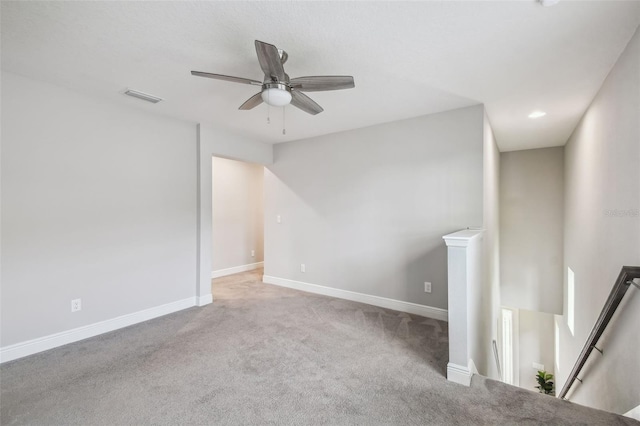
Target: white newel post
<point x="464" y="269"/>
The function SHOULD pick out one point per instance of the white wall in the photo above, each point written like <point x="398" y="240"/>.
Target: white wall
<point x="98" y="203"/>
<point x="531" y="229"/>
<point x="365" y="210"/>
<point x="602" y="233"/>
<point x="536" y="344"/>
<point x="238" y="213"/>
<point x="490" y="294"/>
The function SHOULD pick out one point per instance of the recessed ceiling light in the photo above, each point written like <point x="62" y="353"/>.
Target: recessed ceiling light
<point x="537" y="114"/>
<point x="144" y="96"/>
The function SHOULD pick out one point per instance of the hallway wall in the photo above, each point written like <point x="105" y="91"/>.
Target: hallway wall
<point x="238" y="215"/>
<point x="482" y="351"/>
<point x="536" y="344"/>
<point x="531" y="228"/>
<point x="602" y="233"/>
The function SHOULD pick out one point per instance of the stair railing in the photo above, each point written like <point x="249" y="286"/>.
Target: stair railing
<point x="622" y="284"/>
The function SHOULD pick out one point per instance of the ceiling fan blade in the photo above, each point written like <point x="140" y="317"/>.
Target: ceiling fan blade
<point x="321" y="83"/>
<point x="270" y="61"/>
<point x="226" y="78"/>
<point x="305" y="103"/>
<point x="252" y="102"/>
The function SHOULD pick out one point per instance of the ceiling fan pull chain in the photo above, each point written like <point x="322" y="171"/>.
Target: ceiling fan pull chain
<point x="268" y="110"/>
<point x="284" y="131"/>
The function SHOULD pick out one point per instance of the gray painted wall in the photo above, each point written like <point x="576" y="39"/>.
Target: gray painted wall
<point x="531" y="229"/>
<point x="98" y="203"/>
<point x="238" y="213"/>
<point x="489" y="296"/>
<point x="536" y="344"/>
<point x="365" y="210"/>
<point x="602" y="233"/>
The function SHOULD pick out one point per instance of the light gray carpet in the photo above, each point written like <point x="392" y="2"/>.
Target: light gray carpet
<point x="267" y="355"/>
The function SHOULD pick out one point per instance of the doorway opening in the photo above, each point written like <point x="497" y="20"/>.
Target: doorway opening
<point x="237" y="222"/>
<point x="509" y="327"/>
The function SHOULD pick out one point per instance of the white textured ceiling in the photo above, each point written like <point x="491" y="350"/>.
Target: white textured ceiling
<point x="408" y="58"/>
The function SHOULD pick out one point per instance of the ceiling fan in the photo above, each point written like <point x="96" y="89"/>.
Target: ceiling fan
<point x="277" y="88"/>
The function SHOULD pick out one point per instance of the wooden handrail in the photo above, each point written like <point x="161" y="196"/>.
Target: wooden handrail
<point x="622" y="284"/>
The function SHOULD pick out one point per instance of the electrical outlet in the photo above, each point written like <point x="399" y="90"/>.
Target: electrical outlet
<point x="538" y="366"/>
<point x="253" y="253"/>
<point x="278" y="219"/>
<point x="76" y="305"/>
<point x="427" y="287"/>
<point x="303" y="267"/>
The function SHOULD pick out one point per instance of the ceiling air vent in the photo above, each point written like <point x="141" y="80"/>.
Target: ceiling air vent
<point x="144" y="96"/>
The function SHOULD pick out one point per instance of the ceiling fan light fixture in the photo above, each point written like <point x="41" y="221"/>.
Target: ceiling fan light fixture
<point x="276" y="97"/>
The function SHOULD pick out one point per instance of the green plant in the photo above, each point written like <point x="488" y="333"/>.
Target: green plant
<point x="545" y="382"/>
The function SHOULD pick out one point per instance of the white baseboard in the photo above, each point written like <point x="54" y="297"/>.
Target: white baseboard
<point x="383" y="302"/>
<point x="204" y="300"/>
<point x="30" y="347"/>
<point x="236" y="269"/>
<point x="472" y="367"/>
<point x="634" y="413"/>
<point x="459" y="374"/>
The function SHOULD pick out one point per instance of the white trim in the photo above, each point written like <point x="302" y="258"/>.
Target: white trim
<point x="634" y="413"/>
<point x="236" y="269"/>
<point x="204" y="300"/>
<point x="30" y="347"/>
<point x="472" y="367"/>
<point x="507" y="321"/>
<point x="383" y="302"/>
<point x="462" y="238"/>
<point x="459" y="374"/>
